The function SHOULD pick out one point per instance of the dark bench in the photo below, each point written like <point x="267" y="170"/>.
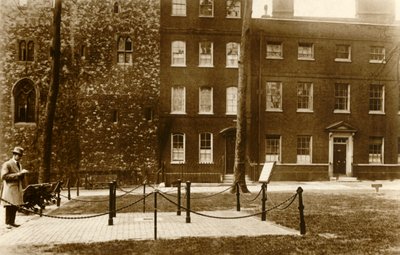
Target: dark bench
<point x="94" y="181"/>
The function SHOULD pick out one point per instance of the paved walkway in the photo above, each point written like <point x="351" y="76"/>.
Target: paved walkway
<point x="44" y="230"/>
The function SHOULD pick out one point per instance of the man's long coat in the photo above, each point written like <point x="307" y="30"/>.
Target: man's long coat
<point x="12" y="189"/>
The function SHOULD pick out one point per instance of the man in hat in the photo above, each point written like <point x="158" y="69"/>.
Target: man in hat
<point x="12" y="176"/>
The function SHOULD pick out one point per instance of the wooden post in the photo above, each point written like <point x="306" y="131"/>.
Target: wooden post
<point x="179" y="197"/>
<point x="115" y="198"/>
<point x="188" y="202"/>
<point x="264" y="200"/>
<point x="155" y="214"/>
<point x="144" y="197"/>
<point x="110" y="204"/>
<point x="237" y="197"/>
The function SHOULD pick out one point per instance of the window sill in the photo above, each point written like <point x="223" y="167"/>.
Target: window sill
<point x="232" y="67"/>
<point x="376" y="113"/>
<point x="232" y="17"/>
<point x="305" y="111"/>
<point x="274" y="58"/>
<point x="341" y="111"/>
<point x="124" y="64"/>
<point x="206" y="66"/>
<point x="178" y="113"/>
<point x="230" y="114"/>
<point x="343" y="60"/>
<point x="274" y="110"/>
<point x="178" y="65"/>
<point x="206" y="16"/>
<point x="178" y="15"/>
<point x="25" y="124"/>
<point x="206" y="113"/>
<point x="306" y="59"/>
<point x="206" y="163"/>
<point x="377" y="62"/>
<point x="178" y="162"/>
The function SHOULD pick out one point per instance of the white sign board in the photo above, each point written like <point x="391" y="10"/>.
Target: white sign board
<point x="266" y="172"/>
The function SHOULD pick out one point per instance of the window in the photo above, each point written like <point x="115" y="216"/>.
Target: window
<point x="206" y="8"/>
<point x="306" y="51"/>
<point x="304" y="149"/>
<point x="206" y="54"/>
<point x="178" y="53"/>
<point x="24" y="101"/>
<point x="148" y="113"/>
<point x="274" y="50"/>
<point x="232" y="54"/>
<point x="26" y="50"/>
<point x="274" y="96"/>
<point x="178" y="100"/>
<point x="376" y="98"/>
<point x="272" y="148"/>
<point x="116" y="8"/>
<point x="114" y="116"/>
<point x="304" y="96"/>
<point x="178" y="7"/>
<point x="231" y="100"/>
<point x="233" y="8"/>
<point x="178" y="148"/>
<point x="124" y="50"/>
<point x="343" y="53"/>
<point x="205" y="150"/>
<point x="206" y="100"/>
<point x="375" y="150"/>
<point x="342" y="95"/>
<point x="377" y="54"/>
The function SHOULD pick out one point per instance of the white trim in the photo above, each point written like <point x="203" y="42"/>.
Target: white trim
<point x="349" y="152"/>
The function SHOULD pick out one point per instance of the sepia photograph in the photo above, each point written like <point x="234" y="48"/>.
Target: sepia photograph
<point x="199" y="127"/>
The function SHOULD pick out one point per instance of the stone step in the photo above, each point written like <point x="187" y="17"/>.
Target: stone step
<point x="344" y="179"/>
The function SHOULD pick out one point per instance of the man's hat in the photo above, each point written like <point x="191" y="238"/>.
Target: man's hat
<point x="18" y="150"/>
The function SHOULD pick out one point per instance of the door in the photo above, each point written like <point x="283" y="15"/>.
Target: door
<point x="339" y="159"/>
<point x="229" y="154"/>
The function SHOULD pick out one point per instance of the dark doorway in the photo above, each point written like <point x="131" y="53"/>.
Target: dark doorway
<point x="229" y="153"/>
<point x="339" y="159"/>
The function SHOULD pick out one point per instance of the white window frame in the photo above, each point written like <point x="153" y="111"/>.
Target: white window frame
<point x="309" y="96"/>
<point x="232" y="60"/>
<point x="231" y="100"/>
<point x="178" y="153"/>
<point x="202" y="99"/>
<point x="178" y="53"/>
<point x="274" y="50"/>
<point x="380" y="99"/>
<point x="206" y="59"/>
<point x="302" y="51"/>
<point x="175" y="108"/>
<point x="206" y="152"/>
<point x="271" y="97"/>
<point x="233" y="6"/>
<point x="343" y="49"/>
<point x="123" y="51"/>
<point x="203" y="2"/>
<point x="377" y="55"/>
<point x="339" y="97"/>
<point x="303" y="158"/>
<point x="179" y="8"/>
<point x="376" y="155"/>
<point x="275" y="156"/>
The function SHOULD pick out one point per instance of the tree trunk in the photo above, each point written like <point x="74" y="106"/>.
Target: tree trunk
<point x="44" y="173"/>
<point x="243" y="81"/>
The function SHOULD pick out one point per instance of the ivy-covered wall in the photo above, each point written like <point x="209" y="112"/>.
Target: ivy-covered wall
<point x="106" y="116"/>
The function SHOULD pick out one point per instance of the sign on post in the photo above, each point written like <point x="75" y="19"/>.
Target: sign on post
<point x="266" y="173"/>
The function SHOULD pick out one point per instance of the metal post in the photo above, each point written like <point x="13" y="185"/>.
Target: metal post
<point x="179" y="197"/>
<point x="237" y="197"/>
<point x="144" y="197"/>
<point x="264" y="200"/>
<point x="115" y="198"/>
<point x="77" y="187"/>
<point x="69" y="189"/>
<point x="188" y="202"/>
<point x="58" y="198"/>
<point x="301" y="210"/>
<point x="155" y="214"/>
<point x="110" y="205"/>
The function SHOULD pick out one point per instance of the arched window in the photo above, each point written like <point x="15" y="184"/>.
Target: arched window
<point x="26" y="50"/>
<point x="24" y="102"/>
<point x="124" y="50"/>
<point x="116" y="7"/>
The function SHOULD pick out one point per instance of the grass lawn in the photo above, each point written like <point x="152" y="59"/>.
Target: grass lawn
<point x="337" y="222"/>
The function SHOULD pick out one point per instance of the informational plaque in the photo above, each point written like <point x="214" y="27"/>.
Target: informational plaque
<point x="266" y="172"/>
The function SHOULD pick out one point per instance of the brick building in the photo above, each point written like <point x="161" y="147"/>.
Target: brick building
<point x="323" y="100"/>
